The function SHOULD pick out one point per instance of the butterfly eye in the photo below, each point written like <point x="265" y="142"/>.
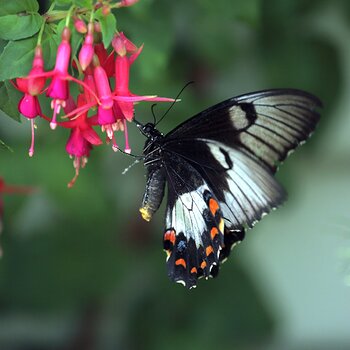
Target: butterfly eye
<point x="148" y="128"/>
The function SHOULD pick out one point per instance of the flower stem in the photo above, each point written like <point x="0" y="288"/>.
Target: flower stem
<point x="40" y="36"/>
<point x="69" y="15"/>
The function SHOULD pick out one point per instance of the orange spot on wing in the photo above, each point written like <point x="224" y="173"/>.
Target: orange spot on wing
<point x="209" y="250"/>
<point x="203" y="265"/>
<point x="213" y="206"/>
<point x="181" y="262"/>
<point x="213" y="232"/>
<point x="194" y="270"/>
<point x="170" y="236"/>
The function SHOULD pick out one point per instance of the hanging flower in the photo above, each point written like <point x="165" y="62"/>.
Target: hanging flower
<point x="125" y="109"/>
<point x="59" y="88"/>
<point x="32" y="86"/>
<point x="90" y="82"/>
<point x="80" y="26"/>
<point x="82" y="138"/>
<point x="106" y="59"/>
<point x="126" y="3"/>
<point x="86" y="52"/>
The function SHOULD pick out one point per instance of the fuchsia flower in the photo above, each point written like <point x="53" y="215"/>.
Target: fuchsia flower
<point x="80" y="26"/>
<point x="105" y="112"/>
<point x="117" y="107"/>
<point x="124" y="109"/>
<point x="59" y="88"/>
<point x="86" y="52"/>
<point x="90" y="82"/>
<point x="81" y="139"/>
<point x="31" y="86"/>
<point x="106" y="60"/>
<point x="125" y="3"/>
<point x="121" y="46"/>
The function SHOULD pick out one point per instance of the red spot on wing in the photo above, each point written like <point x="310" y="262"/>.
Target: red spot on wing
<point x="209" y="250"/>
<point x="170" y="236"/>
<point x="194" y="270"/>
<point x="213" y="232"/>
<point x="213" y="206"/>
<point x="181" y="262"/>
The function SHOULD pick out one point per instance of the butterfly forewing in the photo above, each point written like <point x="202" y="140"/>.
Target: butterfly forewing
<point x="268" y="124"/>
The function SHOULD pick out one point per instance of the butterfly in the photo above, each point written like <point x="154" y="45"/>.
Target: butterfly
<point x="219" y="167"/>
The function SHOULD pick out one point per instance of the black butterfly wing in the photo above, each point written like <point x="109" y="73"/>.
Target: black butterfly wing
<point x="267" y="124"/>
<point x="219" y="168"/>
<point x="244" y="189"/>
<point x="239" y="144"/>
<point x="236" y="146"/>
<point x="194" y="234"/>
<point x="195" y="237"/>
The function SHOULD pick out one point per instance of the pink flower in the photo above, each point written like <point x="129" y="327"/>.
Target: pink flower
<point x="31" y="86"/>
<point x="117" y="107"/>
<point x="86" y="52"/>
<point x="105" y="113"/>
<point x="59" y="88"/>
<point x="81" y="139"/>
<point x="106" y="60"/>
<point x="29" y="106"/>
<point x="80" y="26"/>
<point x="90" y="82"/>
<point x="124" y="108"/>
<point x="125" y="3"/>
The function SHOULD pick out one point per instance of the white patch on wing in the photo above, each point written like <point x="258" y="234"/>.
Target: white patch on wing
<point x="238" y="117"/>
<point x="187" y="215"/>
<point x="253" y="191"/>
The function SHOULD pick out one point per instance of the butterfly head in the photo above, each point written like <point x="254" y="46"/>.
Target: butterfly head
<point x="149" y="130"/>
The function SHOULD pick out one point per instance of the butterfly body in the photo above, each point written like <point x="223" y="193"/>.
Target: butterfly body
<point x="218" y="168"/>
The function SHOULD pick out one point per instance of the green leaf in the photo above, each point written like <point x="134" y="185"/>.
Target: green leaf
<point x="16" y="6"/>
<point x="108" y="26"/>
<point x="9" y="98"/>
<point x="15" y="27"/>
<point x="83" y="3"/>
<point x="16" y="59"/>
<point x="3" y="145"/>
<point x="50" y="44"/>
<point x="63" y="2"/>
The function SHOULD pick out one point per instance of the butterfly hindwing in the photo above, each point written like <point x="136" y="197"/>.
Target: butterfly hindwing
<point x="193" y="236"/>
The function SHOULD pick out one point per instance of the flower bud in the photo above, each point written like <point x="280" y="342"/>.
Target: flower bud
<point x="80" y="26"/>
<point x="106" y="10"/>
<point x="125" y="3"/>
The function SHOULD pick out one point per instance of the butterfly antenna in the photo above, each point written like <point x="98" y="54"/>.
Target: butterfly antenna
<point x="176" y="100"/>
<point x="154" y="115"/>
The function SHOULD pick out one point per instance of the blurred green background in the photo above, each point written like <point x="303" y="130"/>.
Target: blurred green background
<point x="81" y="270"/>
